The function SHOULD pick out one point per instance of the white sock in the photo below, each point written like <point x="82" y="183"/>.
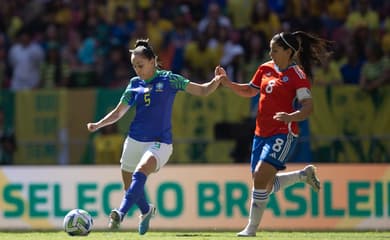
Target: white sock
<point x="286" y="179"/>
<point x="258" y="205"/>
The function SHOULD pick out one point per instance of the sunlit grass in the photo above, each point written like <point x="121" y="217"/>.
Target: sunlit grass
<point x="264" y="235"/>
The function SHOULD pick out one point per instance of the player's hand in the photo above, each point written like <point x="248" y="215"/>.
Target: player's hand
<point x="283" y="117"/>
<point x="225" y="81"/>
<point x="219" y="71"/>
<point x="92" y="127"/>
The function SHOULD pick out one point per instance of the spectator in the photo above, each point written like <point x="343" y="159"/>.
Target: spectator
<point x="334" y="15"/>
<point x="264" y="19"/>
<point x="386" y="49"/>
<point x="363" y="15"/>
<point x="7" y="141"/>
<point x="177" y="39"/>
<point x="256" y="52"/>
<point x="372" y="75"/>
<point x="198" y="58"/>
<point x="328" y="74"/>
<point x="239" y="12"/>
<point x="122" y="27"/>
<point x="232" y="53"/>
<point x="55" y="72"/>
<point x="213" y="14"/>
<point x="112" y="65"/>
<point x="25" y="58"/>
<point x="350" y="71"/>
<point x="157" y="28"/>
<point x="69" y="51"/>
<point x="4" y="78"/>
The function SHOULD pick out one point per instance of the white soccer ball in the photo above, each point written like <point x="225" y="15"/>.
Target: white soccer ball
<point x="78" y="222"/>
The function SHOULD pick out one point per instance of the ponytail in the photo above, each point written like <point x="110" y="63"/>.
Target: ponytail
<point x="312" y="50"/>
<point x="307" y="48"/>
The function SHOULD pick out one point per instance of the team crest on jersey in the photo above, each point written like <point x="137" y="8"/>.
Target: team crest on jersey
<point x="159" y="87"/>
<point x="285" y="79"/>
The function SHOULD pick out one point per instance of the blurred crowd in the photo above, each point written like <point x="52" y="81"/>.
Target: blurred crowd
<point x="84" y="43"/>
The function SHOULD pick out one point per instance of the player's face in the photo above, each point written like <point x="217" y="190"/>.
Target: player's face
<point x="279" y="55"/>
<point x="144" y="67"/>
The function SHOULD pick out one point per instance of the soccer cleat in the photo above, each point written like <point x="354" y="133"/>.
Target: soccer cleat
<point x="116" y="218"/>
<point x="145" y="220"/>
<point x="311" y="177"/>
<point x="246" y="233"/>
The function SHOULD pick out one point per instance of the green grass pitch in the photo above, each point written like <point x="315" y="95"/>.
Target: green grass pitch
<point x="194" y="235"/>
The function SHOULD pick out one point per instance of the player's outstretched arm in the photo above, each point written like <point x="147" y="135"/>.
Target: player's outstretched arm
<point x="241" y="89"/>
<point x="206" y="88"/>
<point x="112" y="117"/>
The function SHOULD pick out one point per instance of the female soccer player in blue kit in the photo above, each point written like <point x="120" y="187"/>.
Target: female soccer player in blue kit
<point x="148" y="145"/>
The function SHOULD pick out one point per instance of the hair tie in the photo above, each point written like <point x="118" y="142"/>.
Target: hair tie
<point x="284" y="40"/>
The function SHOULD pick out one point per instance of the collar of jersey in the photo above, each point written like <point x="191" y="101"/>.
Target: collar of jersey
<point x="150" y="79"/>
<point x="282" y="70"/>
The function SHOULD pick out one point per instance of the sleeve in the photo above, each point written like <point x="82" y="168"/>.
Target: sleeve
<point x="301" y="84"/>
<point x="178" y="82"/>
<point x="256" y="79"/>
<point x="128" y="96"/>
<point x="299" y="77"/>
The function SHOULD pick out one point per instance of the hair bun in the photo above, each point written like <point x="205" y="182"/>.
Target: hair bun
<point x="142" y="42"/>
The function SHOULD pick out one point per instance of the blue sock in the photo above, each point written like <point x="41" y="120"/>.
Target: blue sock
<point x="135" y="191"/>
<point x="142" y="204"/>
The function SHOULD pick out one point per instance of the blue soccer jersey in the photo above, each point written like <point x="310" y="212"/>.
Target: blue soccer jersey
<point x="153" y="100"/>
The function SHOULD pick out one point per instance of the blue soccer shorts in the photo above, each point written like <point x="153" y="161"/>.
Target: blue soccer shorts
<point x="275" y="150"/>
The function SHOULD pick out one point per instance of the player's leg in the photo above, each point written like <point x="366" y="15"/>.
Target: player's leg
<point x="268" y="157"/>
<point x="141" y="203"/>
<point x="155" y="156"/>
<point x="263" y="175"/>
<point x="126" y="179"/>
<point x="307" y="174"/>
<point x="146" y="166"/>
<point x="162" y="152"/>
<point x="132" y="152"/>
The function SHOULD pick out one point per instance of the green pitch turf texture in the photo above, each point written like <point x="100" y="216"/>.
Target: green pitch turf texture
<point x="264" y="235"/>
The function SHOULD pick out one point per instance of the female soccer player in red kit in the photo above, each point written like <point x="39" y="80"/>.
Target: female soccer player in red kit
<point x="281" y="82"/>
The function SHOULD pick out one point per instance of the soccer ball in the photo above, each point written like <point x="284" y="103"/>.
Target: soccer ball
<point x="78" y="222"/>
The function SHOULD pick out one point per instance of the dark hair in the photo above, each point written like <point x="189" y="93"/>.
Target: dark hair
<point x="309" y="48"/>
<point x="142" y="47"/>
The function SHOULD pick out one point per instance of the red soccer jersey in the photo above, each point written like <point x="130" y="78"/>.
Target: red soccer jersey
<point x="278" y="92"/>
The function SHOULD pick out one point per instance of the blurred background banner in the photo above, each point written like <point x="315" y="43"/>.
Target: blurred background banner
<point x="40" y="117"/>
<point x="348" y="125"/>
<point x="211" y="197"/>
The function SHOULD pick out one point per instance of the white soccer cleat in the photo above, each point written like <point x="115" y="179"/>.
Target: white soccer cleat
<point x="247" y="233"/>
<point x="145" y="220"/>
<point x="311" y="178"/>
<point x="116" y="218"/>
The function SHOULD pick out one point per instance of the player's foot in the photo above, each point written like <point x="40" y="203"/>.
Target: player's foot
<point x="247" y="233"/>
<point x="145" y="220"/>
<point x="311" y="178"/>
<point x="116" y="218"/>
